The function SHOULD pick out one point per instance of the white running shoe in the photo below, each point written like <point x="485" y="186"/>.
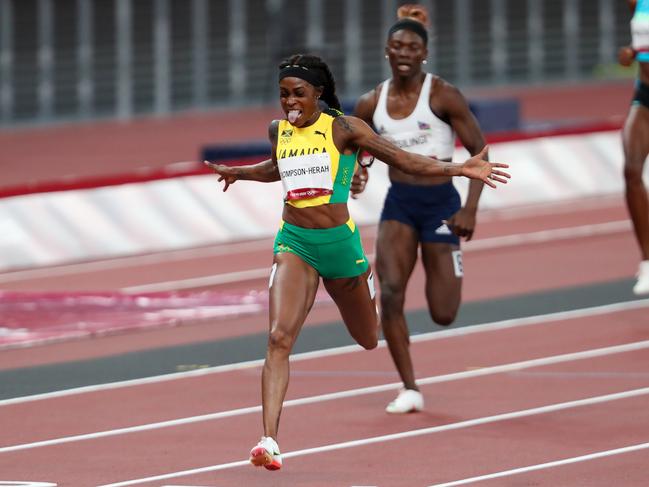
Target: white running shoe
<point x="642" y="284"/>
<point x="266" y="454"/>
<point x="408" y="401"/>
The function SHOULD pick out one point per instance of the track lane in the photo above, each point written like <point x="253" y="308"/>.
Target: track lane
<point x="597" y="469"/>
<point x="433" y="455"/>
<point x="454" y="420"/>
<point x="434" y="354"/>
<point x="363" y="414"/>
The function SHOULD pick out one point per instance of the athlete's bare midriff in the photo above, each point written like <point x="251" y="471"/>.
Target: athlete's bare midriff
<point x="323" y="216"/>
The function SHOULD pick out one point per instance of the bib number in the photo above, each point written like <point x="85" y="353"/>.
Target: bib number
<point x="458" y="267"/>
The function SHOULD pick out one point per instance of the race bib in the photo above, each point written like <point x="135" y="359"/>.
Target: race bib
<point x="306" y="176"/>
<point x="458" y="267"/>
<point x="370" y="285"/>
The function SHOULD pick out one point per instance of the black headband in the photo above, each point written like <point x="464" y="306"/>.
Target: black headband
<point x="411" y="25"/>
<point x="296" y="71"/>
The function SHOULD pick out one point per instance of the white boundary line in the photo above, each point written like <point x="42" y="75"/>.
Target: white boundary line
<point x="405" y="434"/>
<point x="21" y="483"/>
<point x="583" y="231"/>
<point x="435" y="335"/>
<point x="203" y="281"/>
<point x="541" y="466"/>
<point x="496" y="369"/>
<point x="136" y="260"/>
<point x="542" y="236"/>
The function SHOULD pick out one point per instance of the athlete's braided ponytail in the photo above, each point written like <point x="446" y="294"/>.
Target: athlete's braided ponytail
<point x="316" y="64"/>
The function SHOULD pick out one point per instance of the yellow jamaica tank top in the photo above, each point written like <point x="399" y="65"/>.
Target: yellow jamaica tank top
<point x="313" y="172"/>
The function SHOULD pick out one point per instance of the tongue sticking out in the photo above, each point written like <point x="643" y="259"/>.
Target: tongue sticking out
<point x="293" y="115"/>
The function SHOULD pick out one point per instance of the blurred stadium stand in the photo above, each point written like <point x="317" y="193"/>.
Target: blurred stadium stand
<point x="69" y="60"/>
<point x="105" y="87"/>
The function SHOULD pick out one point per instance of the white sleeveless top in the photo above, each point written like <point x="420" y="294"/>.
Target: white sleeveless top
<point x="421" y="132"/>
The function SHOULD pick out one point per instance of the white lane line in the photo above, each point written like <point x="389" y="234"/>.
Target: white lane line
<point x="137" y="260"/>
<point x="435" y="335"/>
<point x="553" y="208"/>
<point x="22" y="483"/>
<point x="542" y="236"/>
<point x="405" y="434"/>
<point x="535" y="319"/>
<point x="198" y="282"/>
<point x="436" y="379"/>
<point x="541" y="466"/>
<point x="505" y="241"/>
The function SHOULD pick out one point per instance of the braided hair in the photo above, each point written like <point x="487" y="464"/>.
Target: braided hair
<point x="316" y="64"/>
<point x="415" y="12"/>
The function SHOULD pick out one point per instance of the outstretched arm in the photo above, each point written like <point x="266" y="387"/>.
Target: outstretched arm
<point x="265" y="171"/>
<point x="455" y="108"/>
<point x="353" y="133"/>
<point x="450" y="104"/>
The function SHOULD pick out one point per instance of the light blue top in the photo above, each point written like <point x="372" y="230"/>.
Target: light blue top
<point x="642" y="7"/>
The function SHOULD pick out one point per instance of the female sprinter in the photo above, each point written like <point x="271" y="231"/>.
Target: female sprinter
<point x="635" y="137"/>
<point x="314" y="153"/>
<point x="421" y="113"/>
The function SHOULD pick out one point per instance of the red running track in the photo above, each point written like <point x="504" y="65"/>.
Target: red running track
<point x="498" y="398"/>
<point x="557" y="400"/>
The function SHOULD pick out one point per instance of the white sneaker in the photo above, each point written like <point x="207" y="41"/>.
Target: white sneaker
<point x="642" y="284"/>
<point x="266" y="454"/>
<point x="408" y="401"/>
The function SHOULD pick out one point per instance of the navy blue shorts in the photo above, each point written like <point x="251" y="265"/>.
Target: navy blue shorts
<point x="424" y="208"/>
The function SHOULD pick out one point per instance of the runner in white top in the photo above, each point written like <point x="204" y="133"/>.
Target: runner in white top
<point x="420" y="113"/>
<point x="635" y="137"/>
